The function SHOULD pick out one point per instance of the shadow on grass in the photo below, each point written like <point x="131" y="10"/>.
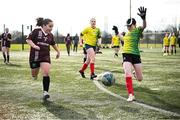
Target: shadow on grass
<point x="129" y="109"/>
<point x="62" y="112"/>
<point x="13" y="65"/>
<point x="158" y="98"/>
<point x="110" y="70"/>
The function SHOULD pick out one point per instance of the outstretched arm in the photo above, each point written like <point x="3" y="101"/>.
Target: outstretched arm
<point x="142" y="14"/>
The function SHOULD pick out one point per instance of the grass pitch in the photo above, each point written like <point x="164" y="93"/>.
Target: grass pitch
<point x="75" y="98"/>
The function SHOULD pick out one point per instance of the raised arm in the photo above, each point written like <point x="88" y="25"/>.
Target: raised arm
<point x="115" y="28"/>
<point x="142" y="14"/>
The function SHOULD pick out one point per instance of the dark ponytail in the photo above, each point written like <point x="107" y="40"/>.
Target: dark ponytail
<point x="41" y="21"/>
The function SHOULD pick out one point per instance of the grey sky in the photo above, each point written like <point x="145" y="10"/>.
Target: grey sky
<point x="73" y="15"/>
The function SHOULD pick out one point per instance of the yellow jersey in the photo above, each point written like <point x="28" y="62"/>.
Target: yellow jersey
<point x="131" y="41"/>
<point x="173" y="40"/>
<point x="166" y="41"/>
<point x="92" y="35"/>
<point x="116" y="40"/>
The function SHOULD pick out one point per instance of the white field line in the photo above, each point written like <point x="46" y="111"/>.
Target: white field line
<point x="135" y="102"/>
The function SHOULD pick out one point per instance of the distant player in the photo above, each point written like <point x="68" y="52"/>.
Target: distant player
<point x="173" y="41"/>
<point x="92" y="34"/>
<point x="122" y="41"/>
<point x="131" y="53"/>
<point x="75" y="42"/>
<point x="68" y="42"/>
<point x="40" y="40"/>
<point x="115" y="44"/>
<point x="166" y="44"/>
<point x="6" y="44"/>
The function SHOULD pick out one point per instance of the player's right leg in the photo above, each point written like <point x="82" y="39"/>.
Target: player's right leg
<point x="128" y="76"/>
<point x="4" y="53"/>
<point x="34" y="69"/>
<point x="91" y="53"/>
<point x="168" y="50"/>
<point x="171" y="48"/>
<point x="85" y="65"/>
<point x="85" y="55"/>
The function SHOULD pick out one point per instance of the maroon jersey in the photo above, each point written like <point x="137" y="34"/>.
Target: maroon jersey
<point x="68" y="40"/>
<point x="43" y="40"/>
<point x="5" y="39"/>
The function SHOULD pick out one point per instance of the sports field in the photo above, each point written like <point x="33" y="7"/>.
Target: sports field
<point x="75" y="98"/>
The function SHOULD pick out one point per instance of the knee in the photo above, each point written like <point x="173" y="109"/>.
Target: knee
<point x="92" y="60"/>
<point x="45" y="72"/>
<point x="140" y="78"/>
<point x="128" y="74"/>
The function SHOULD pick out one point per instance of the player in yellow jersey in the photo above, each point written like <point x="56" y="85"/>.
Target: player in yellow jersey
<point x="92" y="34"/>
<point x="131" y="53"/>
<point x="173" y="41"/>
<point x="166" y="44"/>
<point x="115" y="44"/>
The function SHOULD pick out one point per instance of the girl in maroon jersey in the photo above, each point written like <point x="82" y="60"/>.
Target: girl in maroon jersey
<point x="40" y="40"/>
<point x="6" y="44"/>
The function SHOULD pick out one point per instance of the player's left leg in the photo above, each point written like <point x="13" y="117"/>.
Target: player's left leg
<point x="171" y="49"/>
<point x="175" y="49"/>
<point x="8" y="55"/>
<point x="168" y="50"/>
<point x="76" y="47"/>
<point x="138" y="71"/>
<point x="45" y="67"/>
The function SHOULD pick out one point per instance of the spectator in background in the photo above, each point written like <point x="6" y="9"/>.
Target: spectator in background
<point x="173" y="41"/>
<point x="75" y="42"/>
<point x="115" y="43"/>
<point x="166" y="45"/>
<point x="68" y="41"/>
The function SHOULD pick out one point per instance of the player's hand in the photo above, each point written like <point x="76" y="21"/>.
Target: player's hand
<point x="36" y="47"/>
<point x="57" y="55"/>
<point x="142" y="12"/>
<point x="115" y="28"/>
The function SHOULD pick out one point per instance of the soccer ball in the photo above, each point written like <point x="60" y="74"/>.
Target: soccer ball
<point x="108" y="79"/>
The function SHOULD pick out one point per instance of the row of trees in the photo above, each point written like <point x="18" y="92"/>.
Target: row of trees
<point x="148" y="36"/>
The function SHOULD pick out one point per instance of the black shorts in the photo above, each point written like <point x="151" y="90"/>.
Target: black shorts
<point x="6" y="44"/>
<point x="134" y="59"/>
<point x="36" y="64"/>
<point x="90" y="46"/>
<point x="115" y="47"/>
<point x="84" y="50"/>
